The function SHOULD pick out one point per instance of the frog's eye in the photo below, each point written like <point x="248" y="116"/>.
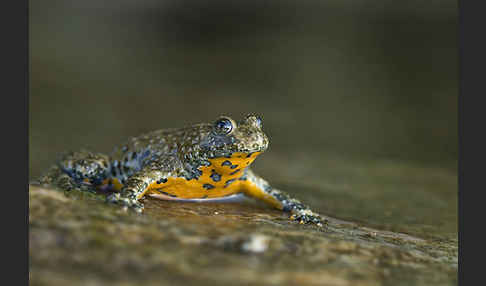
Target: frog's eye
<point x="223" y="126"/>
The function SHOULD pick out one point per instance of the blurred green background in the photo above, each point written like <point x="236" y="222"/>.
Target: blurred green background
<point x="359" y="98"/>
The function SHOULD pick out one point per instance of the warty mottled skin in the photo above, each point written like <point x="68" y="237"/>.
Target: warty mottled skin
<point x="200" y="162"/>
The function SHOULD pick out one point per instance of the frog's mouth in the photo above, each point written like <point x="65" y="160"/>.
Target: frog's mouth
<point x="257" y="144"/>
<point x="238" y="154"/>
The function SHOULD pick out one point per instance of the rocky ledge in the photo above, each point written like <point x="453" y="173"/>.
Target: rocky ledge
<point x="77" y="239"/>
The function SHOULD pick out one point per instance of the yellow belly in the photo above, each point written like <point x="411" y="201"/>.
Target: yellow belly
<point x="183" y="189"/>
<point x="206" y="186"/>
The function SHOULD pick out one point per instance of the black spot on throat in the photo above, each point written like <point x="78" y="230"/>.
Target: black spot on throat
<point x="208" y="186"/>
<point x="226" y="163"/>
<point x="215" y="177"/>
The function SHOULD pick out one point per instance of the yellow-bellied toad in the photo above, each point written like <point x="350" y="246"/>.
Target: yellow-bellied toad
<point x="201" y="162"/>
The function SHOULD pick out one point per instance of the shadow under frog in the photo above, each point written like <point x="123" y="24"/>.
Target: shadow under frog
<point x="201" y="162"/>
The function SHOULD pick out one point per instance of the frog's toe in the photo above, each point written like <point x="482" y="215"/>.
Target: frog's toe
<point x="308" y="218"/>
<point x="113" y="198"/>
<point x="126" y="203"/>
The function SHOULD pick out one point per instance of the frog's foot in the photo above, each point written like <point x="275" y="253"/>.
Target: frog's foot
<point x="308" y="217"/>
<point x="126" y="202"/>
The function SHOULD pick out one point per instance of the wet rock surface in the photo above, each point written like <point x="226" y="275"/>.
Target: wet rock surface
<point x="77" y="239"/>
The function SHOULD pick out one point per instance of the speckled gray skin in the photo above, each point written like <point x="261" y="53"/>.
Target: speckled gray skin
<point x="172" y="153"/>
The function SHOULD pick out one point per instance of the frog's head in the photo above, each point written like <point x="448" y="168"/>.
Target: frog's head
<point x="229" y="137"/>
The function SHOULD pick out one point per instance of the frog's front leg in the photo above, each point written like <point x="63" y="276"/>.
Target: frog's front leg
<point x="139" y="184"/>
<point x="256" y="187"/>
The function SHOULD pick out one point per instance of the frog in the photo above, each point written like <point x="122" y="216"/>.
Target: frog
<point x="202" y="162"/>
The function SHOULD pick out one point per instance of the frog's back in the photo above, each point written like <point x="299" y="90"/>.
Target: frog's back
<point x="138" y="151"/>
<point x="161" y="142"/>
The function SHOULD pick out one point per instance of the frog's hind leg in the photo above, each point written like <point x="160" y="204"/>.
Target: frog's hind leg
<point x="82" y="170"/>
<point x="56" y="177"/>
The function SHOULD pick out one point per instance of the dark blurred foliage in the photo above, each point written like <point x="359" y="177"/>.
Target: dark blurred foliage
<point x="366" y="79"/>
